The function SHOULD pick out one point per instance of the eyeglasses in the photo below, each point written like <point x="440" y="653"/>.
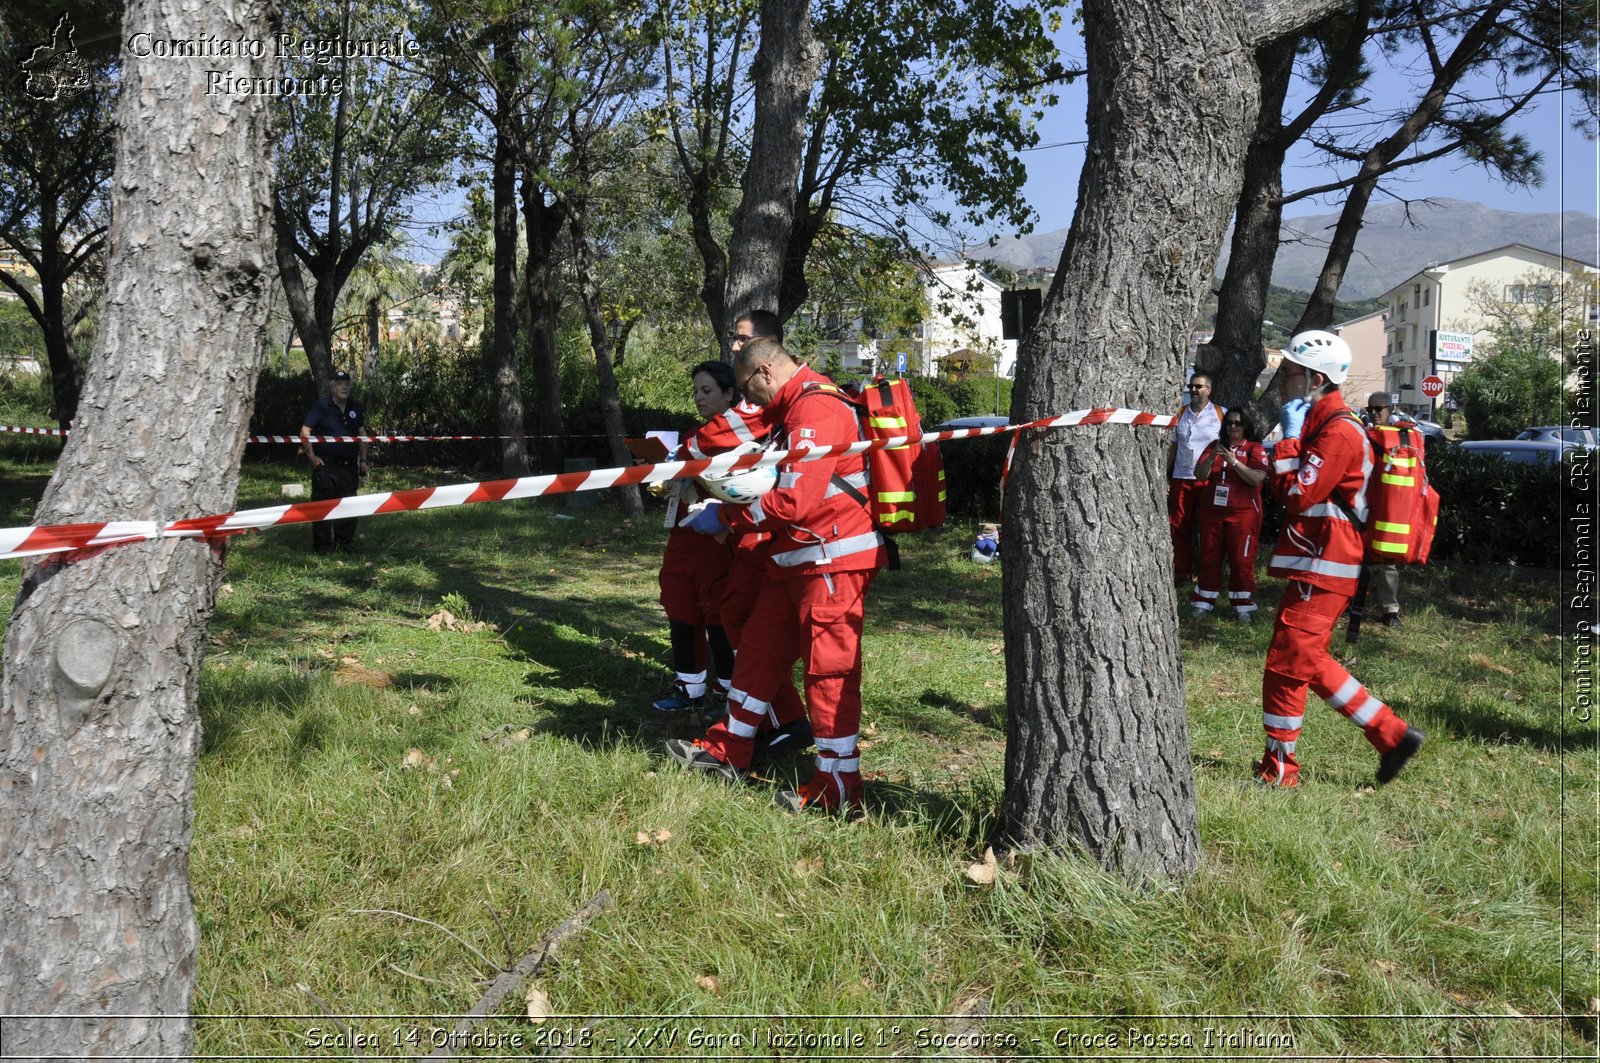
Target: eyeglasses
<point x="745" y="384"/>
<point x="1234" y="424"/>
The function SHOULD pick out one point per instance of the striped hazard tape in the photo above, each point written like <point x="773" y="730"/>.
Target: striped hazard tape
<point x="67" y="538"/>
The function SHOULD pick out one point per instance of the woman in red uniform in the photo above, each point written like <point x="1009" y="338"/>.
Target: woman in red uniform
<point x="695" y="567"/>
<point x="1233" y="469"/>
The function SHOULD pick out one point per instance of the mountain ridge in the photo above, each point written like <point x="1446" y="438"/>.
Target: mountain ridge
<point x="1390" y="248"/>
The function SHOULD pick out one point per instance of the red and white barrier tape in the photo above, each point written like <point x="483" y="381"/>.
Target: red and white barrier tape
<point x="61" y="538"/>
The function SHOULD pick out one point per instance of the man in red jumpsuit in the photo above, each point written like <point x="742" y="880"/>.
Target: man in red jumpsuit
<point x="823" y="555"/>
<point x="1320" y="476"/>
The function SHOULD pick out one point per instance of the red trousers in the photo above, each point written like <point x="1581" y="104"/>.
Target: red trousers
<point x="693" y="571"/>
<point x="740" y="592"/>
<point x="1230" y="535"/>
<point x="1299" y="657"/>
<point x="1184" y="500"/>
<point x="816" y="618"/>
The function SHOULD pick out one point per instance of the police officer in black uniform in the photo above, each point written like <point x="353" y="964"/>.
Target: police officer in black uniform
<point x="336" y="468"/>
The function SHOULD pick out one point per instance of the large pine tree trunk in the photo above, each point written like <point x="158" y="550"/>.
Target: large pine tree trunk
<point x="1237" y="354"/>
<point x="542" y="222"/>
<point x="507" y="371"/>
<point x="784" y="73"/>
<point x="98" y="731"/>
<point x="1097" y="754"/>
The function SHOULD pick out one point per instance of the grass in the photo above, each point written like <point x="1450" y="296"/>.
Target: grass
<point x="493" y="778"/>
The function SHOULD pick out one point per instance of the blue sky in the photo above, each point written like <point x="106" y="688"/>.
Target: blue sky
<point x="1570" y="165"/>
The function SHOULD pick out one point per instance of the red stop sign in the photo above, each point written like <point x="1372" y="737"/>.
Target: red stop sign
<point x="1432" y="386"/>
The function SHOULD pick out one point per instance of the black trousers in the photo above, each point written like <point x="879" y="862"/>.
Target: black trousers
<point x="331" y="480"/>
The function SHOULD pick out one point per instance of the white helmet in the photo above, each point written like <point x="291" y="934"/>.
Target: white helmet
<point x="1321" y="352"/>
<point x="741" y="487"/>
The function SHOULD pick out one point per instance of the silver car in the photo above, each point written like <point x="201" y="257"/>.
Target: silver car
<point x="1565" y="434"/>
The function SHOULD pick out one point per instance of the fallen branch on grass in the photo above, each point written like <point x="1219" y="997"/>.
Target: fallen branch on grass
<point x="511" y="980"/>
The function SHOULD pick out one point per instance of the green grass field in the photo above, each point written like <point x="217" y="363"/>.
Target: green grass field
<point x="490" y="779"/>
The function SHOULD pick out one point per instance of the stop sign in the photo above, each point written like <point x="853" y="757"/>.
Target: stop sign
<point x="1432" y="386"/>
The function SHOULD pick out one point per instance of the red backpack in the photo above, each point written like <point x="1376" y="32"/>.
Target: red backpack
<point x="906" y="486"/>
<point x="1403" y="507"/>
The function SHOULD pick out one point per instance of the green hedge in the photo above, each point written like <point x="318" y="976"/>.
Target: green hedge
<point x="1493" y="511"/>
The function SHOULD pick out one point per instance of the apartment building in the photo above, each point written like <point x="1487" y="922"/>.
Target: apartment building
<point x="1433" y="324"/>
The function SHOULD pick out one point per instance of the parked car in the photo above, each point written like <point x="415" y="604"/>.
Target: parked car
<point x="1428" y="428"/>
<point x="1568" y="435"/>
<point x="1525" y="451"/>
<point x="986" y="421"/>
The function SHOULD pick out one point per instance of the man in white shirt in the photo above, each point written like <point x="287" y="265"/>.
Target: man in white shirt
<point x="1199" y="425"/>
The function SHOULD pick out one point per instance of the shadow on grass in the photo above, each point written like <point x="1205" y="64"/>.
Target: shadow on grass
<point x="1474" y="719"/>
<point x="228" y="703"/>
<point x="991" y="716"/>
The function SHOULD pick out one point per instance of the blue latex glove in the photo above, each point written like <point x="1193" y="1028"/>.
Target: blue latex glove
<point x="1292" y="418"/>
<point x="706" y="521"/>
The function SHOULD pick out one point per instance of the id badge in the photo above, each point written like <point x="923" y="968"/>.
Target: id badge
<point x="1219" y="495"/>
<point x="674" y="498"/>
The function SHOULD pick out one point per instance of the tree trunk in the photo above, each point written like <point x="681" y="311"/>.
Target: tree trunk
<point x="369" y="365"/>
<point x="507" y="373"/>
<point x="610" y="406"/>
<point x="785" y="71"/>
<point x="1237" y="355"/>
<point x="98" y="730"/>
<point x="1097" y="752"/>
<point x="542" y="222"/>
<point x="313" y="337"/>
<point x="1469" y="47"/>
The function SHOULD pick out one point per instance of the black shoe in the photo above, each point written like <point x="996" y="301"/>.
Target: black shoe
<point x="692" y="755"/>
<point x="679" y="700"/>
<point x="1390" y="764"/>
<point x="1390" y="620"/>
<point x="793" y="737"/>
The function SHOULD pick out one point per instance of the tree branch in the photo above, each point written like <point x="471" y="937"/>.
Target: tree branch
<point x="1270" y="19"/>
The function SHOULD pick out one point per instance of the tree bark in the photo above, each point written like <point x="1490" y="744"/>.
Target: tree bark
<point x="507" y="372"/>
<point x="1237" y="355"/>
<point x="1097" y="752"/>
<point x="542" y="222"/>
<point x="98" y="730"/>
<point x="600" y="338"/>
<point x="785" y="72"/>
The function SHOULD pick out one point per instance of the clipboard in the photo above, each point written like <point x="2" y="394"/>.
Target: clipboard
<point x="650" y="449"/>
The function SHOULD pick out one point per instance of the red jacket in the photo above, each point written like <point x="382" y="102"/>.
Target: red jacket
<point x="740" y="427"/>
<point x="1241" y="496"/>
<point x="815" y="524"/>
<point x="1318" y="544"/>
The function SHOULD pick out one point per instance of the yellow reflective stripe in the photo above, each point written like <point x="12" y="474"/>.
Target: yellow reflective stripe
<point x="941" y="475"/>
<point x="1409" y="463"/>
<point x="1399" y="481"/>
<point x="1397" y="529"/>
<point x="903" y="514"/>
<point x="897" y="496"/>
<point x="941" y="496"/>
<point x="886" y="422"/>
<point x="1390" y="548"/>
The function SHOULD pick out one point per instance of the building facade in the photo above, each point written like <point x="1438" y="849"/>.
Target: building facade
<point x="1435" y="318"/>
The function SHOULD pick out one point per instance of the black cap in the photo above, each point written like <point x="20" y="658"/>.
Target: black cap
<point x="341" y="375"/>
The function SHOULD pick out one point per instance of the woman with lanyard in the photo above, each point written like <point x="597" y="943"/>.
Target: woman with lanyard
<point x="695" y="566"/>
<point x="1233" y="469"/>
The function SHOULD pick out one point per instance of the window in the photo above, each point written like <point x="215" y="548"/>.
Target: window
<point x="1427" y="297"/>
<point x="1405" y="305"/>
<point x="1399" y="343"/>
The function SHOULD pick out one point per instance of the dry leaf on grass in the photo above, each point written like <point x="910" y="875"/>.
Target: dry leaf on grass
<point x="983" y="874"/>
<point x="653" y="836"/>
<point x="414" y="758"/>
<point x="807" y="868"/>
<point x="709" y="983"/>
<point x="1386" y="966"/>
<point x="1483" y="661"/>
<point x="539" y="1008"/>
<point x="445" y="620"/>
<point x="353" y="672"/>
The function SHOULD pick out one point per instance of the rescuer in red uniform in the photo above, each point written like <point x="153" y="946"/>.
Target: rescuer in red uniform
<point x="1321" y="479"/>
<point x="822" y="557"/>
<point x="1231" y="471"/>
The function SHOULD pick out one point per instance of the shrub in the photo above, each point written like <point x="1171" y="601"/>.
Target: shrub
<point x="1493" y="511"/>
